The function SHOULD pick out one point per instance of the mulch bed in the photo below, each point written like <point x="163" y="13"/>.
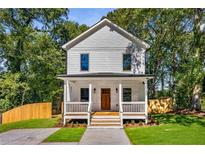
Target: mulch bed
<point x="70" y="124"/>
<point x="189" y="112"/>
<point x="140" y="125"/>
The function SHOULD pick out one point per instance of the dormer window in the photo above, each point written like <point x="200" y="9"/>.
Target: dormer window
<point x="84" y="62"/>
<point x="126" y="62"/>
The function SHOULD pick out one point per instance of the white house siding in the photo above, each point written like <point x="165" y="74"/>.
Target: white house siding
<point x="137" y="92"/>
<point x="105" y="48"/>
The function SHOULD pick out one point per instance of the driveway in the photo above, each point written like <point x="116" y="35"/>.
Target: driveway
<point x="25" y="136"/>
<point x="104" y="136"/>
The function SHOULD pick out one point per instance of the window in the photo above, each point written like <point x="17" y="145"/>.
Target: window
<point x="126" y="62"/>
<point x="84" y="62"/>
<point x="84" y="94"/>
<point x="127" y="94"/>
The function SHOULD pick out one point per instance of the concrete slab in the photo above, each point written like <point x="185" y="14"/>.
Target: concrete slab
<point x="26" y="136"/>
<point x="104" y="136"/>
<point x="59" y="143"/>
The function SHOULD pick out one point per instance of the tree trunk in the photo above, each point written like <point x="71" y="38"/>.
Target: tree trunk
<point x="196" y="98"/>
<point x="197" y="49"/>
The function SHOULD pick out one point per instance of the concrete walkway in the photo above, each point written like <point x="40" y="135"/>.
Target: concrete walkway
<point x="59" y="143"/>
<point x="25" y="136"/>
<point x="104" y="136"/>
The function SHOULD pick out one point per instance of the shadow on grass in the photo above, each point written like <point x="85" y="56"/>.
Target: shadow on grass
<point x="185" y="120"/>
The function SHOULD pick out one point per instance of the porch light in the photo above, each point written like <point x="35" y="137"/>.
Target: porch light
<point x="116" y="90"/>
<point x="94" y="90"/>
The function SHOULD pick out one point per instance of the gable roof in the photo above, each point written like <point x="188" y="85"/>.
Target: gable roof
<point x="99" y="25"/>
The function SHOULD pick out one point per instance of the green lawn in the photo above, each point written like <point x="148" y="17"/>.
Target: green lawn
<point x="34" y="123"/>
<point x="66" y="135"/>
<point x="174" y="130"/>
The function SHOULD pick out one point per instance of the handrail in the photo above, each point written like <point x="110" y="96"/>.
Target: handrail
<point x="140" y="102"/>
<point x="77" y="103"/>
<point x="133" y="106"/>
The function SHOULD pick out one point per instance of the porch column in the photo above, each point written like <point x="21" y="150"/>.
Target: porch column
<point x="68" y="91"/>
<point x="66" y="97"/>
<point x="120" y="104"/>
<point x="120" y="94"/>
<point x="90" y="103"/>
<point x="90" y="93"/>
<point x="146" y="101"/>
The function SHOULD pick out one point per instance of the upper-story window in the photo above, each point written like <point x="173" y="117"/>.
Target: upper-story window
<point x="84" y="62"/>
<point x="126" y="62"/>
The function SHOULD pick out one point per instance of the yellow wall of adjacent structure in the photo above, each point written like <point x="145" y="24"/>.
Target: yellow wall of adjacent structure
<point x="163" y="105"/>
<point x="28" y="111"/>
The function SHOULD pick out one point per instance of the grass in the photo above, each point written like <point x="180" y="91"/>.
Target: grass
<point x="66" y="135"/>
<point x="34" y="123"/>
<point x="185" y="120"/>
<point x="174" y="130"/>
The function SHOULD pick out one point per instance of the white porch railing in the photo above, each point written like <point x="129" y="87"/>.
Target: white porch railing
<point x="133" y="107"/>
<point x="76" y="107"/>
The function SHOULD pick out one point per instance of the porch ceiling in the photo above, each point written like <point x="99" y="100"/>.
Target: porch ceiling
<point x="105" y="76"/>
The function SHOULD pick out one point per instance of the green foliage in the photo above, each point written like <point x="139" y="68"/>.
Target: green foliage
<point x="34" y="123"/>
<point x="30" y="46"/>
<point x="176" y="57"/>
<point x="185" y="120"/>
<point x="12" y="91"/>
<point x="66" y="135"/>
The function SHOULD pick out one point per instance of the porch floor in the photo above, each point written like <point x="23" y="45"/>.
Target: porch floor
<point x="108" y="113"/>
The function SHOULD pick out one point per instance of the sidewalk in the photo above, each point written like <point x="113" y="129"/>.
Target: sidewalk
<point x="104" y="136"/>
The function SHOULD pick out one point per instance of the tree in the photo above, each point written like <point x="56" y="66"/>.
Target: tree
<point x="176" y="56"/>
<point x="30" y="46"/>
<point x="12" y="91"/>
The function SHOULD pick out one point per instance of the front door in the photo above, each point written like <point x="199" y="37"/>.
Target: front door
<point x="105" y="99"/>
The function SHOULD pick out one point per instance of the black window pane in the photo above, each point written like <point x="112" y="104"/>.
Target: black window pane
<point x="127" y="94"/>
<point x="126" y="62"/>
<point x="84" y="94"/>
<point x="84" y="62"/>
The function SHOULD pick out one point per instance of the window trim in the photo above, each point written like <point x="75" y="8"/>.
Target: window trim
<point x="123" y="62"/>
<point x="88" y="62"/>
<point x="123" y="94"/>
<point x="81" y="93"/>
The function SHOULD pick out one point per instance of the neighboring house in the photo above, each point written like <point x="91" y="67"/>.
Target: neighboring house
<point x="105" y="81"/>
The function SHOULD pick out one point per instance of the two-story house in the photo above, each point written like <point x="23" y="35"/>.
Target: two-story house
<point x="105" y="80"/>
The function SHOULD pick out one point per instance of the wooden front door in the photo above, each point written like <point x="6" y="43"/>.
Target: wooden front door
<point x="105" y="99"/>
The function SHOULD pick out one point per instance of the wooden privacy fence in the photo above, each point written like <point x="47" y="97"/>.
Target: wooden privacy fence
<point x="28" y="111"/>
<point x="162" y="105"/>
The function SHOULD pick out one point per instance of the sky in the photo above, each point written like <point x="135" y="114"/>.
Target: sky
<point x="88" y="16"/>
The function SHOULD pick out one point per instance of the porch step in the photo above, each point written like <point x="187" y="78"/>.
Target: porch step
<point x="102" y="121"/>
<point x="105" y="117"/>
<point x="102" y="127"/>
<point x="105" y="120"/>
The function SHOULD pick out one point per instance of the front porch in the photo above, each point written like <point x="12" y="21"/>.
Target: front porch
<point x="105" y="99"/>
